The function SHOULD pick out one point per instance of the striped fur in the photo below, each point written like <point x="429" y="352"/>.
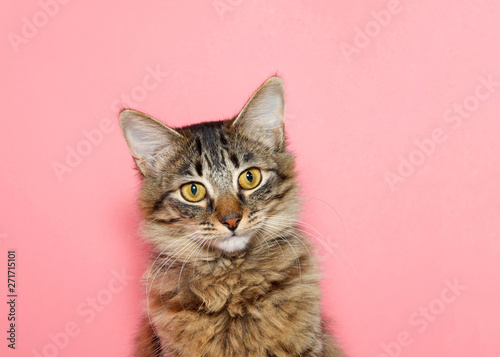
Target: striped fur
<point x="203" y="300"/>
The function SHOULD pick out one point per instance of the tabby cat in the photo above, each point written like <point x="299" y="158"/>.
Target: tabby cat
<point x="231" y="274"/>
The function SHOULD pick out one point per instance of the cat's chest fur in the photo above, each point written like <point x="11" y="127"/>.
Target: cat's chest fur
<point x="247" y="303"/>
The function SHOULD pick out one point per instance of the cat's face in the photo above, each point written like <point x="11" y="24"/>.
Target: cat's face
<point x="221" y="185"/>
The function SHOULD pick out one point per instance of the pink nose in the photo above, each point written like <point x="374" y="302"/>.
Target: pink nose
<point x="231" y="222"/>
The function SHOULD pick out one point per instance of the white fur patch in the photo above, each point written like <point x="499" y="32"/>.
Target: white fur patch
<point x="232" y="244"/>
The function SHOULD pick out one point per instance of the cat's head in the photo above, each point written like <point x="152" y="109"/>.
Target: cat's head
<point x="221" y="185"/>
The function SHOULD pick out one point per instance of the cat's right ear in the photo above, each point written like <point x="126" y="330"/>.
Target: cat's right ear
<point x="146" y="137"/>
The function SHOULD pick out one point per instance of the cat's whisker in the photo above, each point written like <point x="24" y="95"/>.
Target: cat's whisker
<point x="186" y="247"/>
<point x="173" y="243"/>
<point x="274" y="231"/>
<point x="296" y="225"/>
<point x="262" y="240"/>
<point x="295" y="235"/>
<point x="323" y="242"/>
<point x="261" y="237"/>
<point x="300" y="222"/>
<point x="204" y="242"/>
<point x="162" y="265"/>
<point x="159" y="254"/>
<point x="182" y="268"/>
<point x="157" y="269"/>
<point x="309" y="234"/>
<point x="148" y="312"/>
<point x="198" y="252"/>
<point x="170" y="257"/>
<point x="278" y="225"/>
<point x="207" y="261"/>
<point x="332" y="208"/>
<point x="277" y="229"/>
<point x="275" y="240"/>
<point x="335" y="256"/>
<point x="328" y="247"/>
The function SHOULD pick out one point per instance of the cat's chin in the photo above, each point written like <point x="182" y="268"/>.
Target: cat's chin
<point x="232" y="244"/>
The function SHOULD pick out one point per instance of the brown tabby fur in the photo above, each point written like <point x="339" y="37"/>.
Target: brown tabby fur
<point x="260" y="301"/>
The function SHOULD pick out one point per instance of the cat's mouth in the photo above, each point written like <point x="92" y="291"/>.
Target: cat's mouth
<point x="232" y="243"/>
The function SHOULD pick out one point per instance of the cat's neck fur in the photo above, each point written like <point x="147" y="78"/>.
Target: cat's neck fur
<point x="215" y="281"/>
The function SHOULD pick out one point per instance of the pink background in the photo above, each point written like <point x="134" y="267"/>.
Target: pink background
<point x="360" y="94"/>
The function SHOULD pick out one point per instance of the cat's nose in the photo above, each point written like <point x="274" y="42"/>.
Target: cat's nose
<point x="231" y="222"/>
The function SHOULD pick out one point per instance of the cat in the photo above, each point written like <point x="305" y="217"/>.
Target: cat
<point x="231" y="273"/>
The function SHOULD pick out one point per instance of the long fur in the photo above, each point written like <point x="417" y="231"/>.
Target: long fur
<point x="260" y="301"/>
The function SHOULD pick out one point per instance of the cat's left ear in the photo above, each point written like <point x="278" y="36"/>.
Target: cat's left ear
<point x="263" y="117"/>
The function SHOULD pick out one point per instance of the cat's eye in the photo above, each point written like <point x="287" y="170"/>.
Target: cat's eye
<point x="193" y="192"/>
<point x="250" y="178"/>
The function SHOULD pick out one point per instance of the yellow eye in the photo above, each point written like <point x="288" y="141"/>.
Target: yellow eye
<point x="250" y="178"/>
<point x="193" y="192"/>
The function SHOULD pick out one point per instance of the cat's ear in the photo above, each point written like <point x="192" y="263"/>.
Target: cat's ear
<point x="146" y="137"/>
<point x="262" y="118"/>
